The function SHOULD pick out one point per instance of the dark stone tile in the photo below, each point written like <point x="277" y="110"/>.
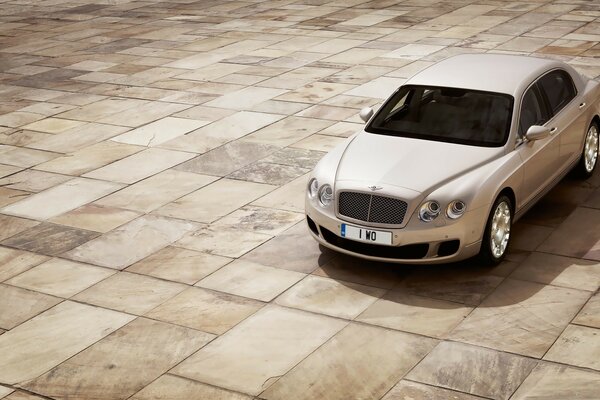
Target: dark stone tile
<point x="295" y="157"/>
<point x="274" y="174"/>
<point x="49" y="239"/>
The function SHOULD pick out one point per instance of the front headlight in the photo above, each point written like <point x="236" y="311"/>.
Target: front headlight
<point x="429" y="211"/>
<point x="456" y="209"/>
<point x="325" y="195"/>
<point x="313" y="188"/>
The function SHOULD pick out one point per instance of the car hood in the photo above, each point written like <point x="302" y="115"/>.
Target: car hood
<point x="415" y="164"/>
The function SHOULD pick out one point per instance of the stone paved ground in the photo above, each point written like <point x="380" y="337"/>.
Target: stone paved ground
<point x="153" y="160"/>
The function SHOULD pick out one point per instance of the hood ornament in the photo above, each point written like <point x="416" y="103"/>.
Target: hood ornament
<point x="374" y="188"/>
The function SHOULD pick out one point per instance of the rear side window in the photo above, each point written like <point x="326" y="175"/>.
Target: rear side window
<point x="558" y="88"/>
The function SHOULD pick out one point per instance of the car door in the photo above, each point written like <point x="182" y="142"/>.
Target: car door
<point x="566" y="107"/>
<point x="539" y="157"/>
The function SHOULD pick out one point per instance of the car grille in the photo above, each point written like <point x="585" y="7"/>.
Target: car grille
<point x="372" y="208"/>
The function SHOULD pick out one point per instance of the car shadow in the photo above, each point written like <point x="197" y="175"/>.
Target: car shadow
<point x="469" y="282"/>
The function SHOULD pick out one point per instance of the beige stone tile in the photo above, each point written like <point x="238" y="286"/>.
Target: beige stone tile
<point x="61" y="278"/>
<point x="246" y="98"/>
<point x="122" y="363"/>
<point x="302" y="251"/>
<point x="101" y="109"/>
<point x="521" y="317"/>
<point x="179" y="265"/>
<point x="553" y="382"/>
<point x="405" y="390"/>
<point x="205" y="310"/>
<point x="359" y="362"/>
<point x="287" y="131"/>
<point x="144" y="114"/>
<point x="248" y="279"/>
<point x="60" y="199"/>
<point x="131" y="293"/>
<point x="95" y="218"/>
<point x="5" y="391"/>
<point x="288" y="197"/>
<point x="222" y="131"/>
<point x="577" y="236"/>
<point x="25" y="157"/>
<point x="13" y="262"/>
<point x="19" y="118"/>
<point x="473" y="370"/>
<point x="52" y="337"/>
<point x="53" y="125"/>
<point x="6" y="170"/>
<point x="331" y="297"/>
<point x="78" y="138"/>
<point x="89" y="158"/>
<point x="315" y="92"/>
<point x="18" y="305"/>
<point x="139" y="166"/>
<point x="524" y="44"/>
<point x="158" y="190"/>
<point x="215" y="200"/>
<point x="132" y="242"/>
<point x="13" y="225"/>
<point x="273" y="340"/>
<point x="415" y="314"/>
<point x="380" y="88"/>
<point x="176" y="388"/>
<point x="259" y="219"/>
<point x="33" y="181"/>
<point x="590" y="314"/>
<point x="319" y="143"/>
<point x="577" y="345"/>
<point x="159" y="131"/>
<point x="559" y="271"/>
<point x="227" y="242"/>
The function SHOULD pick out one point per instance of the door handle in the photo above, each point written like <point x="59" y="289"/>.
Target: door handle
<point x="553" y="130"/>
<point x="581" y="105"/>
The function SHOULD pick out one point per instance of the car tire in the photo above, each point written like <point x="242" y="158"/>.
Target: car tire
<point x="589" y="155"/>
<point x="497" y="238"/>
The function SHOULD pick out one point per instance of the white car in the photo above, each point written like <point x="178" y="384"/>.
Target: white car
<point x="453" y="158"/>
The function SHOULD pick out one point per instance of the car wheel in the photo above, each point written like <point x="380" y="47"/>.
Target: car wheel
<point x="589" y="156"/>
<point x="497" y="232"/>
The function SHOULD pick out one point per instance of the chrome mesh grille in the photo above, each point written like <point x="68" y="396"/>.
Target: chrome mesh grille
<point x="372" y="208"/>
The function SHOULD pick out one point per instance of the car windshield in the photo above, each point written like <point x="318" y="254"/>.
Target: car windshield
<point x="446" y="114"/>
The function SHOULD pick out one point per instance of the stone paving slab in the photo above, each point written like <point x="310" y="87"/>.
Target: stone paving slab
<point x="153" y="162"/>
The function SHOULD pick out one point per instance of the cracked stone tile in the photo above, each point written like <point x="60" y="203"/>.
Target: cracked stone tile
<point x="260" y="219"/>
<point x="61" y="278"/>
<point x="110" y="369"/>
<point x="273" y="174"/>
<point x="578" y="346"/>
<point x="140" y="165"/>
<point x="61" y="198"/>
<point x="179" y="265"/>
<point x="52" y="337"/>
<point x="176" y="388"/>
<point x="223" y="241"/>
<point x="205" y="310"/>
<point x="359" y="362"/>
<point x="273" y="340"/>
<point x="89" y="158"/>
<point x="49" y="239"/>
<point x="160" y="131"/>
<point x="131" y="242"/>
<point x="473" y="370"/>
<point x="18" y="305"/>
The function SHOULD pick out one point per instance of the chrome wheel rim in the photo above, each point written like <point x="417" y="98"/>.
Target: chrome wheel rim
<point x="500" y="230"/>
<point x="590" y="150"/>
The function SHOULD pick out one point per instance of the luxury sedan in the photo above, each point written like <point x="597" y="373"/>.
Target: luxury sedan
<point x="453" y="158"/>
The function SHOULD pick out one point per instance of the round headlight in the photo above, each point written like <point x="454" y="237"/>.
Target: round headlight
<point x="456" y="209"/>
<point x="313" y="188"/>
<point x="325" y="195"/>
<point x="429" y="211"/>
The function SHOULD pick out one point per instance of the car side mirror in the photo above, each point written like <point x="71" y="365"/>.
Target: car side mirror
<point x="537" y="132"/>
<point x="366" y="114"/>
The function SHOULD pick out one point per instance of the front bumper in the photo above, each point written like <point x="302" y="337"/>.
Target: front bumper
<point x="437" y="242"/>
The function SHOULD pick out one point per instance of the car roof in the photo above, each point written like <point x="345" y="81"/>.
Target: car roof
<point x="501" y="73"/>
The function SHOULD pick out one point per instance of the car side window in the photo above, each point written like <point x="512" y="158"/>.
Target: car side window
<point x="532" y="111"/>
<point x="559" y="89"/>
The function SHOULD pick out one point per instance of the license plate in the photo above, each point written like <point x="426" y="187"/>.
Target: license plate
<point x="366" y="235"/>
